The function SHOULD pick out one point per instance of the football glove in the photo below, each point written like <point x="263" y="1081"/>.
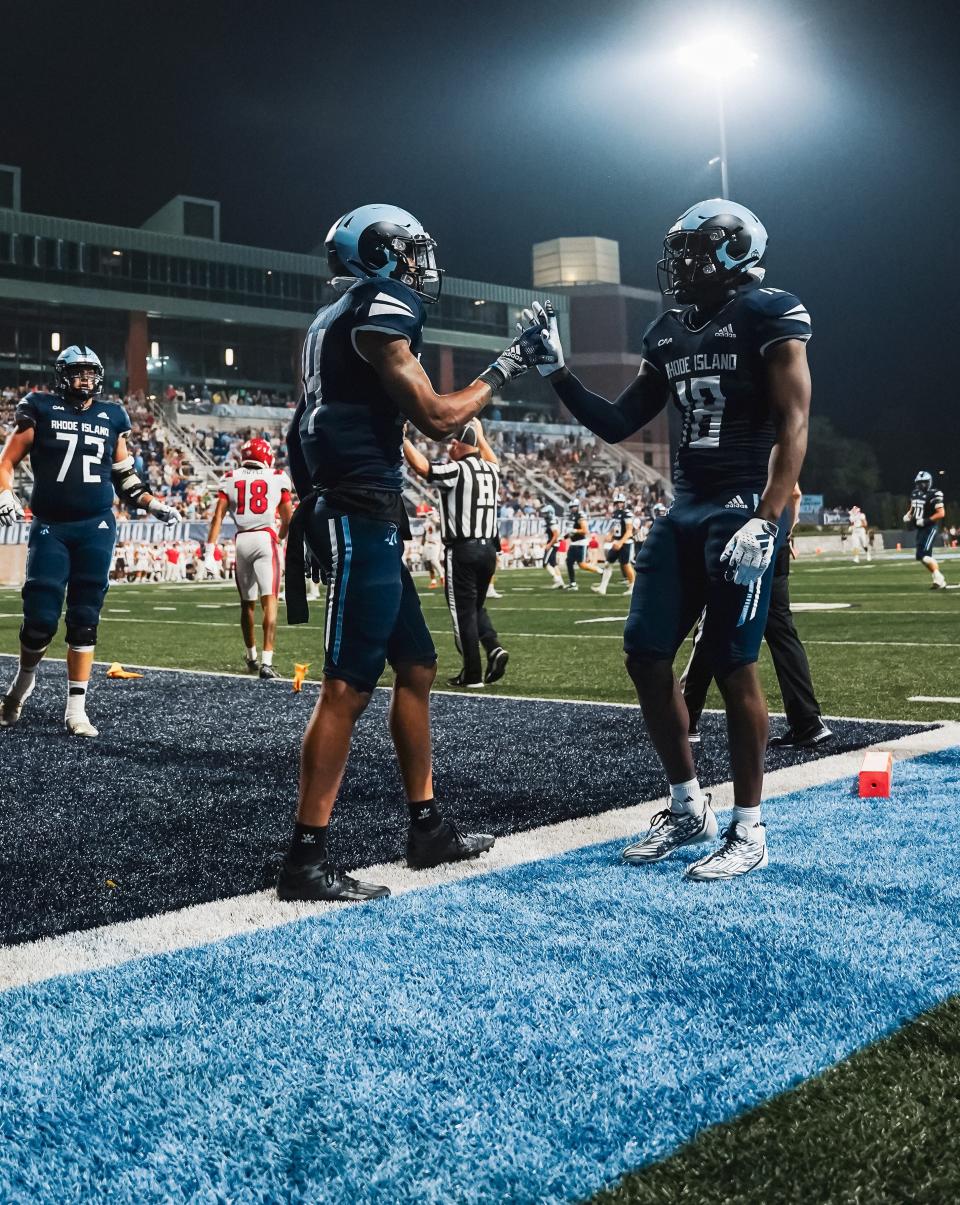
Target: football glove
<point x="549" y="358"/>
<point x="749" y="552"/>
<point x="163" y="511"/>
<point x="10" y="509"/>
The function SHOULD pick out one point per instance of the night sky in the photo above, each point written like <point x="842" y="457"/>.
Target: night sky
<point x="503" y="124"/>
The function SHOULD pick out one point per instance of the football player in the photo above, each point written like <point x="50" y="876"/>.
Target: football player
<point x="552" y="532"/>
<point x="926" y="514"/>
<point x="361" y="381"/>
<point x="255" y="494"/>
<point x="432" y="555"/>
<point x="858" y="534"/>
<point x="732" y="358"/>
<point x="577" y="538"/>
<point x="620" y="551"/>
<point x="78" y="452"/>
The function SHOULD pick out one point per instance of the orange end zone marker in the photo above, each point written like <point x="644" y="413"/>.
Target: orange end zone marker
<point x="299" y="673"/>
<point x="876" y="774"/>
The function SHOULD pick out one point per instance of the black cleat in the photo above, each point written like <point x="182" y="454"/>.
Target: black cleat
<point x="267" y="672"/>
<point x="445" y="843"/>
<point x="693" y="736"/>
<point x="321" y="881"/>
<point x="496" y="665"/>
<point x="817" y="734"/>
<point x="459" y="680"/>
<point x="252" y="666"/>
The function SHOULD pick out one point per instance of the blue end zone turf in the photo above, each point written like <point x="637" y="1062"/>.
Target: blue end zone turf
<point x="525" y="1036"/>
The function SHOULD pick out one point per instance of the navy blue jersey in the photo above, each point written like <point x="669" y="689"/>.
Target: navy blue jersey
<point x="621" y="517"/>
<point x="576" y="515"/>
<point x="716" y="376"/>
<point x="351" y="430"/>
<point x="72" y="455"/>
<point x="923" y="504"/>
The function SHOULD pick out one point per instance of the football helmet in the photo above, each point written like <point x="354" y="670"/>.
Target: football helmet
<point x="547" y="512"/>
<point x="70" y="362"/>
<point x="714" y="246"/>
<point x="923" y="480"/>
<point x="619" y="498"/>
<point x="658" y="510"/>
<point x="256" y="451"/>
<point x="387" y="242"/>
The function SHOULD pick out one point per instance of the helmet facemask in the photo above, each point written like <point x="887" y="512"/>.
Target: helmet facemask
<point x="698" y="265"/>
<point x="412" y="256"/>
<point x="65" y="372"/>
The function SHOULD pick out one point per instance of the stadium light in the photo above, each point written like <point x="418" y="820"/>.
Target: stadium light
<point x="228" y="356"/>
<point x="720" y="60"/>
<point x="54" y="340"/>
<point x="154" y="351"/>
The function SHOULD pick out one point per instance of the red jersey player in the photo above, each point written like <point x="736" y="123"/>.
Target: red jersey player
<point x="255" y="494"/>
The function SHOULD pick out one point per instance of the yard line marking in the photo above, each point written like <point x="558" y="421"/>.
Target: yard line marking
<point x="603" y="619"/>
<point x="820" y="606"/>
<point x="118" y="610"/>
<point x="933" y="699"/>
<point x="164" y="608"/>
<point x="200" y="924"/>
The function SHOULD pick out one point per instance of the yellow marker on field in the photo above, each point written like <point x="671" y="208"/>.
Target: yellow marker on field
<point x="117" y="671"/>
<point x="299" y="673"/>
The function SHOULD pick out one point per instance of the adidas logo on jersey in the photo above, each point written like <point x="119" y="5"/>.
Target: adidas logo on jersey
<point x="727" y="331"/>
<point x="103" y="525"/>
<point x="102" y="415"/>
<point x="736" y="503"/>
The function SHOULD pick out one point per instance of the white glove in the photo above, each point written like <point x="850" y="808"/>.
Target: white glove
<point x="10" y="509"/>
<point x="163" y="511"/>
<point x="550" y="360"/>
<point x="208" y="557"/>
<point x="749" y="552"/>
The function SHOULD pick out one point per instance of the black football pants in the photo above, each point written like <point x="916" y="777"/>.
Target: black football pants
<point x="786" y="649"/>
<point x="469" y="565"/>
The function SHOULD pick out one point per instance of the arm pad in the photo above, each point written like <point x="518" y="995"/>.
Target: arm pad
<point x="127" y="483"/>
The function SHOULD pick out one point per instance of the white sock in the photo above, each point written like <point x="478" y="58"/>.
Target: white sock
<point x="23" y="684"/>
<point x="267" y="658"/>
<point x="747" y="816"/>
<point x="685" y="797"/>
<point x="252" y="653"/>
<point x="605" y="577"/>
<point x="76" y="699"/>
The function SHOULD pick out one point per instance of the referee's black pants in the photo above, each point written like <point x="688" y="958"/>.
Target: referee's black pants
<point x="468" y="567"/>
<point x="789" y="658"/>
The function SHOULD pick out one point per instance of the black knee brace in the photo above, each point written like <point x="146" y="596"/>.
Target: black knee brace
<point x="34" y="638"/>
<point x="81" y="636"/>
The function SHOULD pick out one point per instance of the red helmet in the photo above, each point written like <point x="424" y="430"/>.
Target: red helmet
<point x="257" y="450"/>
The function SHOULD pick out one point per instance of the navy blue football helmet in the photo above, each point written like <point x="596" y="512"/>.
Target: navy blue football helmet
<point x="71" y="361"/>
<point x="923" y="480"/>
<point x="387" y="242"/>
<point x="714" y="246"/>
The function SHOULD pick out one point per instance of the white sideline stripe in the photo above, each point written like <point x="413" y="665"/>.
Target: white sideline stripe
<point x="112" y="945"/>
<point x="933" y="699"/>
<point x="499" y="697"/>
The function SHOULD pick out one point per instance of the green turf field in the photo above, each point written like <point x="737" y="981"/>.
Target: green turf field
<point x="890" y="638"/>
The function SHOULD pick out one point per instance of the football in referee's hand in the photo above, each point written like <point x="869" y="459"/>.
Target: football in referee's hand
<point x="470" y="435"/>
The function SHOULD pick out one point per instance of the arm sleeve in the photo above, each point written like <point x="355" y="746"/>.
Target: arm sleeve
<point x="641" y="401"/>
<point x="299" y="472"/>
<point x="25" y="414"/>
<point x="390" y="308"/>
<point x="782" y="316"/>
<point x="445" y="476"/>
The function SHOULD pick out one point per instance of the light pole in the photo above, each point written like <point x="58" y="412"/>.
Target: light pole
<point x="718" y="60"/>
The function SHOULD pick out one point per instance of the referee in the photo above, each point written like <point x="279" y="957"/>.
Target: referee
<point x="469" y="501"/>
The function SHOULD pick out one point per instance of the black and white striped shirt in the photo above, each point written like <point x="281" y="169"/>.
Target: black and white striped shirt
<point x="469" y="498"/>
